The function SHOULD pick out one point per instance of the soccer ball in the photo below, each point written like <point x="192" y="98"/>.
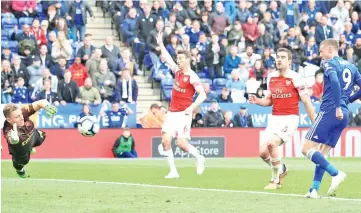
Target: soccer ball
<point x="88" y="126"/>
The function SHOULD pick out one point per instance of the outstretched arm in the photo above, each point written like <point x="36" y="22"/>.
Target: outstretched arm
<point x="267" y="101"/>
<point x="44" y="104"/>
<point x="168" y="58"/>
<point x="309" y="107"/>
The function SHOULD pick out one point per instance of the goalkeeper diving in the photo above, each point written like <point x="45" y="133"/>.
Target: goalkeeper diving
<point x="20" y="133"/>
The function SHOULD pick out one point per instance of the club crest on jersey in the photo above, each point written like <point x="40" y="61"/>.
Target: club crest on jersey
<point x="327" y="66"/>
<point x="185" y="79"/>
<point x="288" y="82"/>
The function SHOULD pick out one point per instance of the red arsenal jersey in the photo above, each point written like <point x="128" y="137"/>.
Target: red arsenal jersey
<point x="183" y="90"/>
<point x="285" y="92"/>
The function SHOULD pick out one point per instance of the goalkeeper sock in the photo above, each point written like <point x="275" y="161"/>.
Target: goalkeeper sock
<point x="170" y="158"/>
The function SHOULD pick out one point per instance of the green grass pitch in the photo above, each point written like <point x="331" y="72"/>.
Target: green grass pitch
<point x="137" y="186"/>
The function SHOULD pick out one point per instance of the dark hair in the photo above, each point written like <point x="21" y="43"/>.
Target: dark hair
<point x="184" y="52"/>
<point x="154" y="106"/>
<point x="284" y="50"/>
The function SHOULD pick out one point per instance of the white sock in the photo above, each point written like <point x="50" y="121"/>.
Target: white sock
<point x="280" y="171"/>
<point x="170" y="158"/>
<point x="275" y="173"/>
<point x="193" y="151"/>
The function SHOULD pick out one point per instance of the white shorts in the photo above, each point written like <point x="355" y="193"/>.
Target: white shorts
<point x="282" y="125"/>
<point x="177" y="124"/>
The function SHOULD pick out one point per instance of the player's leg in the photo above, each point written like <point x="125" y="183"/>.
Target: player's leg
<point x="273" y="147"/>
<point x="183" y="141"/>
<point x="40" y="138"/>
<point x="264" y="153"/>
<point x="168" y="153"/>
<point x="165" y="149"/>
<point x="19" y="163"/>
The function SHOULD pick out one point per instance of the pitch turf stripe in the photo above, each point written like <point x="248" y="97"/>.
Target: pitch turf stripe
<point x="181" y="188"/>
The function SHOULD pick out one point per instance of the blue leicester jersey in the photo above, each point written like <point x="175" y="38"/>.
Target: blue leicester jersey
<point x="347" y="74"/>
<point x="117" y="119"/>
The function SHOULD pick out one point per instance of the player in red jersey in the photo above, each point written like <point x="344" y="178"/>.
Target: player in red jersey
<point x="179" y="117"/>
<point x="286" y="88"/>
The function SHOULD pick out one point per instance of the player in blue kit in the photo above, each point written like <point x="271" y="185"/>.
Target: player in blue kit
<point x="339" y="79"/>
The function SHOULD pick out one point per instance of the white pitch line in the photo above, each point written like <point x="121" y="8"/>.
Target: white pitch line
<point x="184" y="188"/>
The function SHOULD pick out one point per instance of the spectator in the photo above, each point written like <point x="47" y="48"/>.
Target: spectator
<point x="68" y="90"/>
<point x="20" y="92"/>
<point x="197" y="64"/>
<point x="78" y="72"/>
<point x="62" y="26"/>
<point x="35" y="71"/>
<point x="197" y="120"/>
<point x="124" y="146"/>
<point x="117" y="117"/>
<point x="252" y="85"/>
<point x="205" y="26"/>
<point x="340" y="11"/>
<point x="220" y="20"/>
<point x="154" y="49"/>
<point x="45" y="58"/>
<point x="214" y="116"/>
<point x="38" y="33"/>
<point x="25" y="39"/>
<point x="231" y="62"/>
<point x="20" y="70"/>
<point x="6" y="53"/>
<point x="258" y="71"/>
<point x="104" y="81"/>
<point x="343" y="45"/>
<point x="85" y="112"/>
<point x="181" y="13"/>
<point x="242" y="12"/>
<point x="264" y="40"/>
<point x="350" y="37"/>
<point x="52" y="18"/>
<point x="236" y="33"/>
<point x="92" y="65"/>
<point x="243" y="119"/>
<point x="267" y="22"/>
<point x="268" y="60"/>
<point x="305" y="25"/>
<point x="61" y="48"/>
<point x="6" y="8"/>
<point x="27" y="58"/>
<point x="323" y="31"/>
<point x="228" y="122"/>
<point x="44" y="27"/>
<point x="172" y="22"/>
<point x="202" y="46"/>
<point x="311" y="51"/>
<point x="77" y="14"/>
<point x="129" y="26"/>
<point x="350" y="56"/>
<point x="235" y="83"/>
<point x="250" y="30"/>
<point x="86" y="50"/>
<point x="39" y="84"/>
<point x="47" y="94"/>
<point x="356" y="24"/>
<point x="24" y="8"/>
<point x="215" y="57"/>
<point x="88" y="94"/>
<point x="275" y="11"/>
<point x="207" y="7"/>
<point x="7" y="82"/>
<point x="290" y="12"/>
<point x="110" y="51"/>
<point x="249" y="57"/>
<point x="193" y="11"/>
<point x="224" y="97"/>
<point x="357" y="49"/>
<point x="194" y="33"/>
<point x="126" y="88"/>
<point x="161" y="70"/>
<point x="152" y="118"/>
<point x="59" y="68"/>
<point x="126" y="62"/>
<point x="357" y="118"/>
<point x="159" y="10"/>
<point x="293" y="43"/>
<point x="51" y="39"/>
<point x="173" y="45"/>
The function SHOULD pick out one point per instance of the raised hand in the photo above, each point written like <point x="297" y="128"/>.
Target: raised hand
<point x="160" y="39"/>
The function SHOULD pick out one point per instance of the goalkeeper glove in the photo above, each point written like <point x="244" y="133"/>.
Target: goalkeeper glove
<point x="50" y="110"/>
<point x="13" y="135"/>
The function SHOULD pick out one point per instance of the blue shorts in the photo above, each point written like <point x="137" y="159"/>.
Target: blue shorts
<point x="327" y="128"/>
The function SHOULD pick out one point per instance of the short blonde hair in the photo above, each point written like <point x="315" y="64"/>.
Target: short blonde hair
<point x="330" y="42"/>
<point x="9" y="108"/>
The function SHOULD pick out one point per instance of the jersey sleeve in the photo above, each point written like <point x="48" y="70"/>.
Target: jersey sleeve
<point x="196" y="82"/>
<point x="27" y="110"/>
<point x="300" y="84"/>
